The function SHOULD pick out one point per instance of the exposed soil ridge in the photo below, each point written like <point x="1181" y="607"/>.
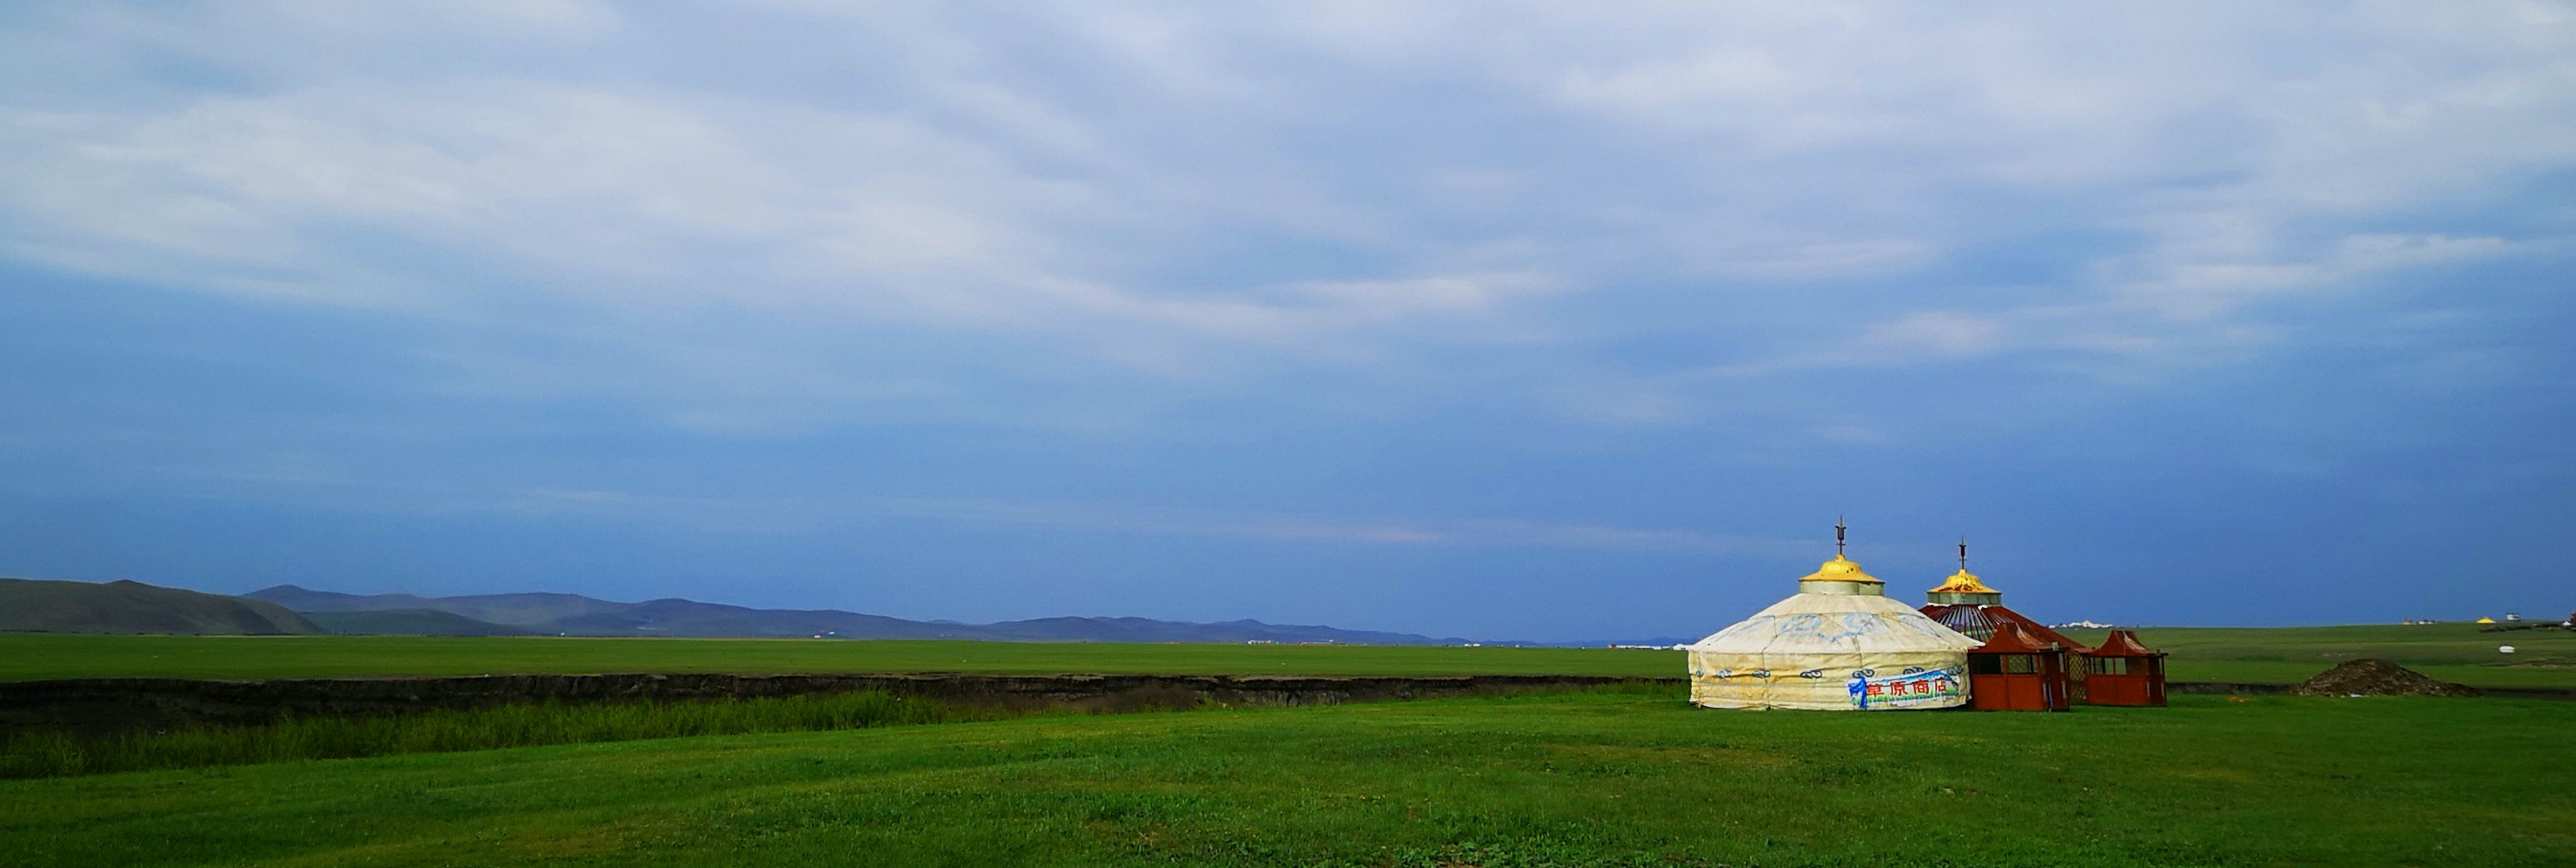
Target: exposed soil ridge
<point x="2371" y="676"/>
<point x="99" y="705"/>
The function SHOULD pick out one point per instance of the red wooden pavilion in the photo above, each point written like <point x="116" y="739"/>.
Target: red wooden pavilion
<point x="1966" y="604"/>
<point x="2124" y="671"/>
<point x="2016" y="671"/>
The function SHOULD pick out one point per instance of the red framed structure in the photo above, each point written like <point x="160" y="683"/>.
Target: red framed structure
<point x="1985" y="620"/>
<point x="2124" y="671"/>
<point x="1965" y="603"/>
<point x="2016" y="671"/>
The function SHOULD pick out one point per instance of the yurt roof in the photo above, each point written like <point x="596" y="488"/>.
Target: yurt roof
<point x="2010" y="638"/>
<point x="1969" y="619"/>
<point x="2032" y="626"/>
<point x="1834" y="623"/>
<point x="1840" y="569"/>
<point x="1963" y="582"/>
<point x="2124" y="643"/>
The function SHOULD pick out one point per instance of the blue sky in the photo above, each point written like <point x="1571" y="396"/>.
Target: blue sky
<point x="1549" y="322"/>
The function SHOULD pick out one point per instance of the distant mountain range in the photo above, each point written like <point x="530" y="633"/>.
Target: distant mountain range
<point x="408" y="622"/>
<point x="575" y="615"/>
<point x="134" y="607"/>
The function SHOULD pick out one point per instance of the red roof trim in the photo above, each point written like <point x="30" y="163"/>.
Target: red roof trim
<point x="2011" y="638"/>
<point x="2035" y="628"/>
<point x="2124" y="643"/>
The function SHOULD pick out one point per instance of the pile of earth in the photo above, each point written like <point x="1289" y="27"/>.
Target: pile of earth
<point x="2371" y="676"/>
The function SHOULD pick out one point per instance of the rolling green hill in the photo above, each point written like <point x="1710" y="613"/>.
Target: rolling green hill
<point x="30" y="605"/>
<point x="408" y="622"/>
<point x="575" y="615"/>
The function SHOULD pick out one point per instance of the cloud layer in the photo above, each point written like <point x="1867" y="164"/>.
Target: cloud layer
<point x="1338" y="232"/>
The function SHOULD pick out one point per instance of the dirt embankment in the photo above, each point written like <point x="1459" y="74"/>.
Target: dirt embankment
<point x="118" y="704"/>
<point x="2371" y="676"/>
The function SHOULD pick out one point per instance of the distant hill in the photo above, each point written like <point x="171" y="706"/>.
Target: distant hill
<point x="513" y="609"/>
<point x="134" y="607"/>
<point x="1149" y="630"/>
<point x="408" y="622"/>
<point x="585" y="616"/>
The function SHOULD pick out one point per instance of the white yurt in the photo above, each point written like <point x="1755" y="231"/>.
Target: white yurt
<point x="1838" y="644"/>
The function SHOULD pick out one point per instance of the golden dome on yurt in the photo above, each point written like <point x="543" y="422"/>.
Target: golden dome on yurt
<point x="1964" y="586"/>
<point x="1964" y="582"/>
<point x="1843" y="570"/>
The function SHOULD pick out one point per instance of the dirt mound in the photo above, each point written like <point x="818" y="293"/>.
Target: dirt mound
<point x="2371" y="676"/>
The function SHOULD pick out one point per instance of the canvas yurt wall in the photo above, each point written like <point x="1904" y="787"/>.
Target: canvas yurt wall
<point x="1838" y="644"/>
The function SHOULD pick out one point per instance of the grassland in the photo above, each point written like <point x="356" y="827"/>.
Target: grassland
<point x="26" y="656"/>
<point x="60" y="754"/>
<point x="2455" y="652"/>
<point x="1605" y="778"/>
<point x="2451" y="652"/>
<point x="1586" y="779"/>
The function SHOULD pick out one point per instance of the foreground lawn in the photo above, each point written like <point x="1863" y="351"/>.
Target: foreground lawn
<point x="1587" y="779"/>
<point x="2453" y="652"/>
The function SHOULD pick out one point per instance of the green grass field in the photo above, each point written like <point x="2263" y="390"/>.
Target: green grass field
<point x="26" y="656"/>
<point x="2451" y="652"/>
<point x="44" y="754"/>
<point x="1570" y="780"/>
<point x="1603" y="778"/>
<point x="2454" y="652"/>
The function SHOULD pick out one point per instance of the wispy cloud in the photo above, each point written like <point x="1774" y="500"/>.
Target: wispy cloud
<point x="1419" y="280"/>
<point x="969" y="188"/>
<point x="311" y="484"/>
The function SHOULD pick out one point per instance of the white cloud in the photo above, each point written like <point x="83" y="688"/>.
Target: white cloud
<point x="2198" y="283"/>
<point x="1192" y="192"/>
<point x="481" y="18"/>
<point x="304" y="481"/>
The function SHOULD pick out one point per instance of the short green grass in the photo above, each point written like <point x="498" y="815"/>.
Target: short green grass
<point x="1571" y="780"/>
<point x="55" y="754"/>
<point x="31" y="655"/>
<point x="2454" y="652"/>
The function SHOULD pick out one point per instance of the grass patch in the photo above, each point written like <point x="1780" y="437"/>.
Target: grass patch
<point x="62" y="754"/>
<point x="25" y="656"/>
<point x="56" y="754"/>
<point x="2451" y="652"/>
<point x="1593" y="779"/>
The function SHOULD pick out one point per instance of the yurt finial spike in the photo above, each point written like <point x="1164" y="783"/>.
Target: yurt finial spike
<point x="1963" y="554"/>
<point x="1838" y="536"/>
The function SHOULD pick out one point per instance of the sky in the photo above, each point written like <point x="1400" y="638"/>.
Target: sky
<point x="1541" y="322"/>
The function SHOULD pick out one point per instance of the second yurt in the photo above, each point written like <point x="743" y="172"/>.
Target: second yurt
<point x="1839" y="644"/>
